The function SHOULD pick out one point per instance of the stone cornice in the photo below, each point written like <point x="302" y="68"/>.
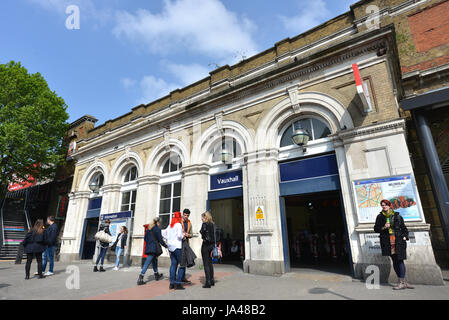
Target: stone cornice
<point x="145" y="180"/>
<point x="371" y="129"/>
<point x="195" y="169"/>
<point x="111" y="188"/>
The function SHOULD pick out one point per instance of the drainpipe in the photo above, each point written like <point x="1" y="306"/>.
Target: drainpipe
<point x="437" y="180"/>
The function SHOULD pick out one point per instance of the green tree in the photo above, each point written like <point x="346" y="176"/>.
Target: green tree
<point x="33" y="122"/>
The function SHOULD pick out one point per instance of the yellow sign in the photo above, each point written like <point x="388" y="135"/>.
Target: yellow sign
<point x="259" y="212"/>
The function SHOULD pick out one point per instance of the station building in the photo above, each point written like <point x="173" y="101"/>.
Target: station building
<point x="225" y="144"/>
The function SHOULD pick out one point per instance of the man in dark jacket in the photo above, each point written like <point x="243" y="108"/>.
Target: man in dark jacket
<point x="49" y="253"/>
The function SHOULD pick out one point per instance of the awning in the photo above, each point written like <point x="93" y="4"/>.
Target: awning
<point x="427" y="99"/>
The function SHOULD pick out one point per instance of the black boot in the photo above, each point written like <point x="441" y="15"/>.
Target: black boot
<point x="212" y="283"/>
<point x="95" y="269"/>
<point x="101" y="269"/>
<point x="171" y="286"/>
<point x="158" y="276"/>
<point x="206" y="285"/>
<point x="27" y="277"/>
<point x="186" y="281"/>
<point x="179" y="286"/>
<point x="41" y="276"/>
<point x="140" y="280"/>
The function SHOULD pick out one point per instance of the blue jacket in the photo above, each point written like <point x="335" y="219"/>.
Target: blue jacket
<point x="35" y="243"/>
<point x="52" y="234"/>
<point x="150" y="246"/>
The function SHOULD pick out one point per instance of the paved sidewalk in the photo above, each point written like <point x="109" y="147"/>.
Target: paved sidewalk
<point x="231" y="284"/>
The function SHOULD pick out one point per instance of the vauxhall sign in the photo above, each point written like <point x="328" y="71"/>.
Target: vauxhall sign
<point x="226" y="180"/>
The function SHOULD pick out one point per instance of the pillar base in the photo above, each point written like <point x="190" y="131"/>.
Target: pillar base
<point x="264" y="267"/>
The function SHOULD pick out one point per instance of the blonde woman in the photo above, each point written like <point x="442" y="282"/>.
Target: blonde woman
<point x="207" y="233"/>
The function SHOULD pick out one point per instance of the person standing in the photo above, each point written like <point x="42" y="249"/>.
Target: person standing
<point x="187" y="229"/>
<point x="393" y="237"/>
<point x="49" y="253"/>
<point x="174" y="235"/>
<point x="208" y="236"/>
<point x="153" y="239"/>
<point x="103" y="247"/>
<point x="120" y="245"/>
<point x="35" y="243"/>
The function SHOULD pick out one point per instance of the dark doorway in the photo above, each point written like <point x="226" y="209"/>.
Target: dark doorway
<point x="91" y="228"/>
<point x="228" y="216"/>
<point x="317" y="235"/>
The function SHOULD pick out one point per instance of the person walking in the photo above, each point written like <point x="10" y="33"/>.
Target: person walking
<point x="187" y="229"/>
<point x="208" y="235"/>
<point x="174" y="235"/>
<point x="393" y="237"/>
<point x="120" y="245"/>
<point x="35" y="243"/>
<point x="153" y="241"/>
<point x="103" y="247"/>
<point x="49" y="253"/>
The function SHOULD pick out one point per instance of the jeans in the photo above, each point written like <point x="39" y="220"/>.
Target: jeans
<point x="175" y="258"/>
<point x="49" y="254"/>
<point x="206" y="249"/>
<point x="118" y="252"/>
<point x="30" y="256"/>
<point x="101" y="255"/>
<point x="398" y="266"/>
<point x="150" y="259"/>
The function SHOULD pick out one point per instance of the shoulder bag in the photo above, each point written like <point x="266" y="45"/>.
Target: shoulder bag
<point x="103" y="236"/>
<point x="158" y="245"/>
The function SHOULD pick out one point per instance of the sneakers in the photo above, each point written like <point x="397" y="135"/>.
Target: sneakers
<point x="140" y="280"/>
<point x="400" y="286"/>
<point x="158" y="276"/>
<point x="408" y="286"/>
<point x="48" y="273"/>
<point x="115" y="268"/>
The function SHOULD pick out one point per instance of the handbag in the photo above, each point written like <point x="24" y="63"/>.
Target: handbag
<point x="103" y="236"/>
<point x="158" y="245"/>
<point x="215" y="251"/>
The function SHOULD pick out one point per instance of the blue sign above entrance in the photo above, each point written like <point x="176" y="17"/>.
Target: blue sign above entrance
<point x="117" y="215"/>
<point x="309" y="168"/>
<point x="226" y="180"/>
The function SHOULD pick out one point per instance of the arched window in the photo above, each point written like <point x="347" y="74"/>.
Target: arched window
<point x="170" y="189"/>
<point x="231" y="145"/>
<point x="129" y="190"/>
<point x="317" y="129"/>
<point x="172" y="164"/>
<point x="131" y="174"/>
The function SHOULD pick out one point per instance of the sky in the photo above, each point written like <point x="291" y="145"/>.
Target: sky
<point x="125" y="53"/>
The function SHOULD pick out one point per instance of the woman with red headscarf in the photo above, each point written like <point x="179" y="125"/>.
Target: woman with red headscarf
<point x="174" y="235"/>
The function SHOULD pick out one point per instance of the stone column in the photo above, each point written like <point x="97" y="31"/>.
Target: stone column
<point x="195" y="187"/>
<point x="146" y="206"/>
<point x="263" y="236"/>
<point x="76" y="213"/>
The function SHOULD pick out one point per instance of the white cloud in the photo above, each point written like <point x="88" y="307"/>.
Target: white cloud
<point x="127" y="83"/>
<point x="154" y="88"/>
<point x="187" y="73"/>
<point x="311" y="15"/>
<point x="197" y="26"/>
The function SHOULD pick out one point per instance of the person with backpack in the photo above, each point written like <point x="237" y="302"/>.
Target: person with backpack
<point x="35" y="243"/>
<point x="208" y="235"/>
<point x="120" y="245"/>
<point x="153" y="241"/>
<point x="103" y="247"/>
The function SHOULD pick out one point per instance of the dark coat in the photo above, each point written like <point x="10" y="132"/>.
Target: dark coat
<point x="188" y="256"/>
<point x="104" y="227"/>
<point x="400" y="231"/>
<point x="52" y="234"/>
<point x="35" y="243"/>
<point x="207" y="233"/>
<point x="122" y="242"/>
<point x="150" y="245"/>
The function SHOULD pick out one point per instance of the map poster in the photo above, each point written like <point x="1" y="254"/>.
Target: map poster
<point x="398" y="190"/>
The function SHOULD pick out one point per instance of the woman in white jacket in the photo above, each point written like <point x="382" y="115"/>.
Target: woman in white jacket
<point x="174" y="235"/>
